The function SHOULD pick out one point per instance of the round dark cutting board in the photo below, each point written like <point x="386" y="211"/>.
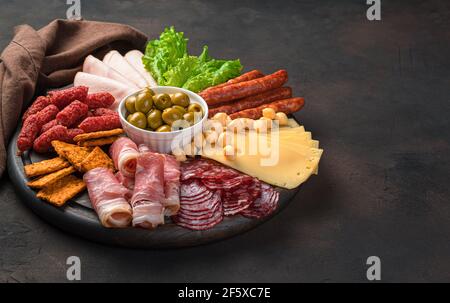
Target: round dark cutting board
<point x="78" y="217"/>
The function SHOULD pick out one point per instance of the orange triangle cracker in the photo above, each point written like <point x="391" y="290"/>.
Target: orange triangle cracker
<point x="59" y="192"/>
<point x="73" y="153"/>
<point x="99" y="134"/>
<point x="60" y="147"/>
<point x="51" y="178"/>
<point x="45" y="167"/>
<point x="97" y="158"/>
<point x="98" y="141"/>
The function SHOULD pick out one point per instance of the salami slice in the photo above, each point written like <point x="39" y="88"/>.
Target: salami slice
<point x="200" y="223"/>
<point x="202" y="205"/>
<point x="209" y="191"/>
<point x="264" y="205"/>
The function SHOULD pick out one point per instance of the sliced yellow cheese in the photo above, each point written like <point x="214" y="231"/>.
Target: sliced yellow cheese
<point x="291" y="129"/>
<point x="292" y="123"/>
<point x="285" y="166"/>
<point x="293" y="140"/>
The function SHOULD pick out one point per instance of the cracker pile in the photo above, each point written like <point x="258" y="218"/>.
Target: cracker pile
<point x="58" y="179"/>
<point x="98" y="138"/>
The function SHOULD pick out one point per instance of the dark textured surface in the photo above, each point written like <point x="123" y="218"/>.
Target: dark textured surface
<point x="377" y="99"/>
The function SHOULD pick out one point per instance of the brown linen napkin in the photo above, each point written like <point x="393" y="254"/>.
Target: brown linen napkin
<point x="50" y="57"/>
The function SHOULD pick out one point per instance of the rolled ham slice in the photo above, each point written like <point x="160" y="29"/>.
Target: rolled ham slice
<point x="144" y="148"/>
<point x="124" y="153"/>
<point x="115" y="60"/>
<point x="107" y="196"/>
<point x="148" y="195"/>
<point x="134" y="57"/>
<point x="128" y="182"/>
<point x="96" y="67"/>
<point x="172" y="174"/>
<point x="98" y="84"/>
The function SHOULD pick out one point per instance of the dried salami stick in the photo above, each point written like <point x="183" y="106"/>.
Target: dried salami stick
<point x="48" y="125"/>
<point x="72" y="113"/>
<point x="32" y="126"/>
<point x="99" y="123"/>
<point x="244" y="89"/>
<point x="39" y="104"/>
<point x="62" y="98"/>
<point x="287" y="106"/>
<point x="103" y="112"/>
<point x="252" y="101"/>
<point x="254" y="74"/>
<point x="99" y="100"/>
<point x="44" y="142"/>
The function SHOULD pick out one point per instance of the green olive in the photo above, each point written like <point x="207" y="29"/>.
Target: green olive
<point x="180" y="108"/>
<point x="189" y="117"/>
<point x="130" y="104"/>
<point x="154" y="119"/>
<point x="148" y="91"/>
<point x="162" y="101"/>
<point x="196" y="108"/>
<point x="137" y="119"/>
<point x="164" y="128"/>
<point x="171" y="115"/>
<point x="180" y="99"/>
<point x="144" y="102"/>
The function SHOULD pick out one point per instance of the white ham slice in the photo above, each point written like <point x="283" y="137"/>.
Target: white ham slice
<point x="101" y="84"/>
<point x="172" y="174"/>
<point x="96" y="67"/>
<point x="107" y="196"/>
<point x="134" y="57"/>
<point x="148" y="195"/>
<point x="115" y="60"/>
<point x="124" y="153"/>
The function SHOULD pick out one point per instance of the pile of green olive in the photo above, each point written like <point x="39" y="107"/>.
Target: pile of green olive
<point x="159" y="112"/>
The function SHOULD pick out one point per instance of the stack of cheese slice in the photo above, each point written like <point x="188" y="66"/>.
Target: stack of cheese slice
<point x="285" y="157"/>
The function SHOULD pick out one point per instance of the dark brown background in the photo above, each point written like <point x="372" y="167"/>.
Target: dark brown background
<point x="377" y="99"/>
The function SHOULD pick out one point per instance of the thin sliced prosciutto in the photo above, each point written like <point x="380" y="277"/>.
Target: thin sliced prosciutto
<point x="107" y="196"/>
<point x="128" y="182"/>
<point x="148" y="195"/>
<point x="171" y="185"/>
<point x="124" y="153"/>
<point x="144" y="148"/>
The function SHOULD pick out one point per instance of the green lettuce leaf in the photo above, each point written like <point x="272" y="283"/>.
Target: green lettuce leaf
<point x="162" y="54"/>
<point x="181" y="72"/>
<point x="169" y="63"/>
<point x="211" y="75"/>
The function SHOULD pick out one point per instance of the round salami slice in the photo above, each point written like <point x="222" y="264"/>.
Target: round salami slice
<point x="194" y="168"/>
<point x="236" y="200"/>
<point x="195" y="200"/>
<point x="192" y="188"/>
<point x="227" y="183"/>
<point x="200" y="224"/>
<point x="264" y="205"/>
<point x="199" y="215"/>
<point x="201" y="206"/>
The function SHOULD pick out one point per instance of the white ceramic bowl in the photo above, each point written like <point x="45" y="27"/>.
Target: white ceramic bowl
<point x="163" y="142"/>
